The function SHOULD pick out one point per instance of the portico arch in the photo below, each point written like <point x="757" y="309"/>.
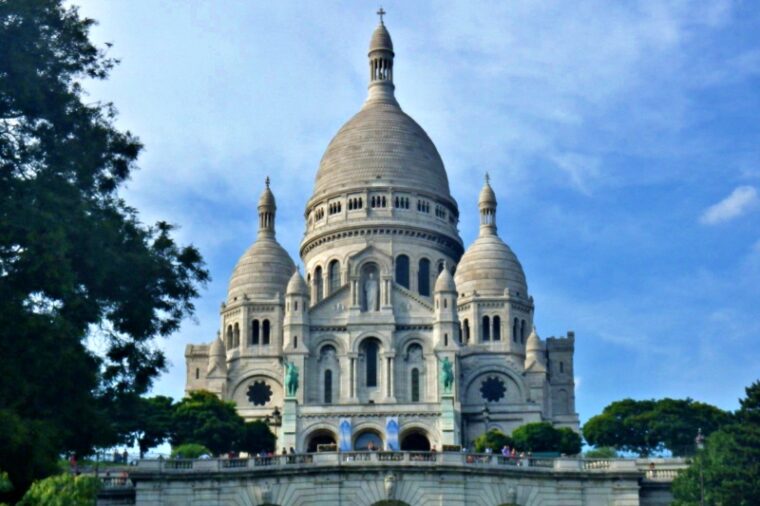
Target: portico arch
<point x="415" y="439"/>
<point x="320" y="437"/>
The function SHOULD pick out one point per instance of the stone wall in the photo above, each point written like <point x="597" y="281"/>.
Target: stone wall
<point x="414" y="478"/>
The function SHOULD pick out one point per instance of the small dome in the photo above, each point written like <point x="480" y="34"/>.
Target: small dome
<point x="534" y="342"/>
<point x="297" y="285"/>
<point x="445" y="282"/>
<point x="217" y="348"/>
<point x="381" y="39"/>
<point x="262" y="272"/>
<point x="490" y="267"/>
<point x="267" y="198"/>
<point x="487" y="196"/>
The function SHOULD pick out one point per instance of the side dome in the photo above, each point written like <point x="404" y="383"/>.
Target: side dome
<point x="262" y="272"/>
<point x="297" y="285"/>
<point x="445" y="282"/>
<point x="265" y="268"/>
<point x="489" y="267"/>
<point x="381" y="146"/>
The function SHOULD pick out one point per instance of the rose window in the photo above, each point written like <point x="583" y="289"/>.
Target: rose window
<point x="492" y="389"/>
<point x="259" y="393"/>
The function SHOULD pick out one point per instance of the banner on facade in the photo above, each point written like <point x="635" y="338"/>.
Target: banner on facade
<point x="391" y="433"/>
<point x="344" y="438"/>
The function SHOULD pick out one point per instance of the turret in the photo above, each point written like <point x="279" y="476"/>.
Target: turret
<point x="535" y="354"/>
<point x="446" y="320"/>
<point x="381" y="64"/>
<point x="296" y="321"/>
<point x="216" y="373"/>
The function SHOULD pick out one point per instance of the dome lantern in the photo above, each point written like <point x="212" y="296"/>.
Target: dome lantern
<point x="487" y="205"/>
<point x="267" y="208"/>
<point x="381" y="64"/>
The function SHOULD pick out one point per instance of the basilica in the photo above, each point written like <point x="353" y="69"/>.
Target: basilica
<point x="395" y="335"/>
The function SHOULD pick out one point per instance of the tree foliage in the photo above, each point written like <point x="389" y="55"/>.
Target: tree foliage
<point x="204" y="419"/>
<point x="730" y="462"/>
<point x="649" y="426"/>
<point x="543" y="437"/>
<point x="62" y="490"/>
<point x="493" y="439"/>
<point x="75" y="261"/>
<point x="190" y="451"/>
<point x="258" y="438"/>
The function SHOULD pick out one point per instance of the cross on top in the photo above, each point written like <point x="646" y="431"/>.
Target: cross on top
<point x="266" y="181"/>
<point x="381" y="13"/>
<point x="488" y="178"/>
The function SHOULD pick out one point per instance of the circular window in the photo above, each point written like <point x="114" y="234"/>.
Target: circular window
<point x="492" y="389"/>
<point x="259" y="393"/>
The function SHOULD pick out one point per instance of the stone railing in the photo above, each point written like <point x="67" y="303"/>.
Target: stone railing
<point x="659" y="469"/>
<point x="414" y="458"/>
<point x="115" y="482"/>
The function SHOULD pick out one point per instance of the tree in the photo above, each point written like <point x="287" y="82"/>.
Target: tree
<point x="204" y="419"/>
<point x="540" y="437"/>
<point x="729" y="464"/>
<point x="258" y="438"/>
<point x="190" y="451"/>
<point x="62" y="490"/>
<point x="570" y="442"/>
<point x="650" y="426"/>
<point x="76" y="262"/>
<point x="493" y="439"/>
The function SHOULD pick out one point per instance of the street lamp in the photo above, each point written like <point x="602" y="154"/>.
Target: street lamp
<point x="275" y="420"/>
<point x="486" y="416"/>
<point x="699" y="441"/>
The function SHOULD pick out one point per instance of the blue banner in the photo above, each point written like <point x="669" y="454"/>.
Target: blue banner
<point x="391" y="433"/>
<point x="344" y="437"/>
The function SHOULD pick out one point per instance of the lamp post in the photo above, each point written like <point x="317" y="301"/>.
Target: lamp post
<point x="486" y="416"/>
<point x="699" y="441"/>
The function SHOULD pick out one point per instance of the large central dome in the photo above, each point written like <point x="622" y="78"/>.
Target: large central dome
<point x="381" y="146"/>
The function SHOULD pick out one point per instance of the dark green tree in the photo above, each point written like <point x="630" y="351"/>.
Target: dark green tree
<point x="75" y="261"/>
<point x="493" y="439"/>
<point x="570" y="442"/>
<point x="204" y="419"/>
<point x="650" y="426"/>
<point x="258" y="438"/>
<point x="146" y="421"/>
<point x="538" y="437"/>
<point x="729" y="466"/>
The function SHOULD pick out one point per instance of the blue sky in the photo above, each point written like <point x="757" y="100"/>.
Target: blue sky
<point x="623" y="141"/>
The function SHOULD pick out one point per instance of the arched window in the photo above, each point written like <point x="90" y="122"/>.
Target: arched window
<point x="485" y="329"/>
<point x="197" y="372"/>
<point x="370" y="360"/>
<point x="402" y="270"/>
<point x="333" y="272"/>
<point x="328" y="386"/>
<point x="466" y="331"/>
<point x="229" y="336"/>
<point x="318" y="283"/>
<point x="255" y="332"/>
<point x="295" y="342"/>
<point x="496" y="328"/>
<point x="265" y="333"/>
<point x="440" y="266"/>
<point x="423" y="277"/>
<point x="515" y="328"/>
<point x="522" y="332"/>
<point x="236" y="340"/>
<point x="561" y="367"/>
<point x="459" y="333"/>
<point x="415" y="385"/>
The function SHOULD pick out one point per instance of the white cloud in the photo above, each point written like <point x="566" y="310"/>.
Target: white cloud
<point x="741" y="200"/>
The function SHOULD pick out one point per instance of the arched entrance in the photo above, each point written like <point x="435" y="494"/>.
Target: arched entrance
<point x="415" y="441"/>
<point x="320" y="438"/>
<point x="368" y="440"/>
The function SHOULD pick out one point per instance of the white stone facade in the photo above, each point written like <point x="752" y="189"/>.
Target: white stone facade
<point x="389" y="292"/>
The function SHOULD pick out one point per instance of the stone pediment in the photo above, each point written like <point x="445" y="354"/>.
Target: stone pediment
<point x="408" y="304"/>
<point x="331" y="307"/>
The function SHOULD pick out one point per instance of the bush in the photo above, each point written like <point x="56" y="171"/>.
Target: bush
<point x="493" y="439"/>
<point x="543" y="437"/>
<point x="189" y="451"/>
<point x="62" y="490"/>
<point x="603" y="452"/>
